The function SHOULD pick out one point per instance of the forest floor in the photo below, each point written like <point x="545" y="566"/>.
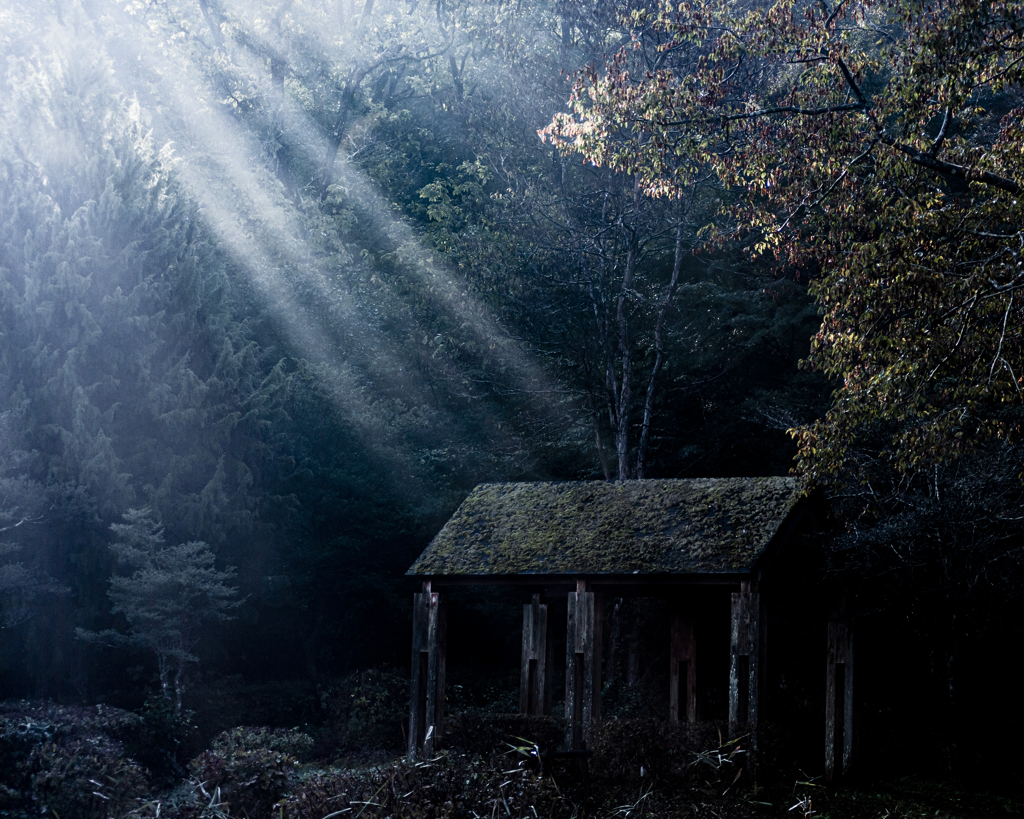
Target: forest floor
<point x="911" y="797"/>
<point x="903" y="798"/>
<point x="102" y="762"/>
<point x="914" y="797"/>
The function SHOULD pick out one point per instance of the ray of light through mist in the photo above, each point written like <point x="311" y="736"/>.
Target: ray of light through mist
<point x="254" y="221"/>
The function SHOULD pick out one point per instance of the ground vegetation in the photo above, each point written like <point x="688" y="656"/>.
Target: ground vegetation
<point x="75" y="761"/>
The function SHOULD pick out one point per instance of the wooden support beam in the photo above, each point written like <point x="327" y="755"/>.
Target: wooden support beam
<point x="839" y="696"/>
<point x="582" y="666"/>
<point x="597" y="661"/>
<point x="429" y="643"/>
<point x="747" y="652"/>
<point x="682" y="703"/>
<point x="534" y="692"/>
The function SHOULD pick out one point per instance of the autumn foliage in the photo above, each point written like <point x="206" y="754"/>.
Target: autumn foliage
<point x="874" y="148"/>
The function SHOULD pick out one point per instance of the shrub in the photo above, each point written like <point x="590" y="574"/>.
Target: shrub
<point x="289" y="741"/>
<point x="495" y="733"/>
<point x="633" y="753"/>
<point x="449" y="785"/>
<point x="165" y="740"/>
<point x="20" y="735"/>
<point x="69" y="721"/>
<point x="67" y="760"/>
<point x="85" y="779"/>
<point x="250" y="767"/>
<point x="366" y="714"/>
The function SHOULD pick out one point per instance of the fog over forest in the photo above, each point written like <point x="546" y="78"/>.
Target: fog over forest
<point x="282" y="281"/>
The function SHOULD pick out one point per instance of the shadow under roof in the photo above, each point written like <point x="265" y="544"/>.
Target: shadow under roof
<point x="651" y="527"/>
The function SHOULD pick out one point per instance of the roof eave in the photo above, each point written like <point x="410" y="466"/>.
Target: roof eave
<point x="597" y="580"/>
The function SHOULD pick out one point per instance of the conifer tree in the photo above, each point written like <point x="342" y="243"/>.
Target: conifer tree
<point x="171" y="593"/>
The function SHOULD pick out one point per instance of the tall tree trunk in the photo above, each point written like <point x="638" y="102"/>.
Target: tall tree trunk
<point x="659" y="358"/>
<point x="565" y="14"/>
<point x="599" y="444"/>
<point x="278" y="69"/>
<point x="365" y="16"/>
<point x="214" y="26"/>
<point x="337" y="134"/>
<point x="457" y="70"/>
<point x="179" y="685"/>
<point x="622" y="414"/>
<point x="601" y="332"/>
<point x="164" y="667"/>
<point x="625" y="387"/>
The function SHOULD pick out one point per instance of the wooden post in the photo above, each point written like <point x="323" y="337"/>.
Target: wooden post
<point x="533" y="687"/>
<point x="582" y="666"/>
<point x="429" y="639"/>
<point x="682" y="703"/>
<point x="597" y="659"/>
<point x="839" y="696"/>
<point x="744" y="668"/>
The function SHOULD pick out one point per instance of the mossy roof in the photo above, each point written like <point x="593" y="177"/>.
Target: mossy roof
<point x="702" y="526"/>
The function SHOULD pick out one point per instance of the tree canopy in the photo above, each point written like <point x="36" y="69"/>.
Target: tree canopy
<point x="873" y="148"/>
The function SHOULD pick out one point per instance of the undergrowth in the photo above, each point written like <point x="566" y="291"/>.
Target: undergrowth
<point x="62" y="762"/>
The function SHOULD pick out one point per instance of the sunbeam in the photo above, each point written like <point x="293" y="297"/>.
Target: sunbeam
<point x="314" y="303"/>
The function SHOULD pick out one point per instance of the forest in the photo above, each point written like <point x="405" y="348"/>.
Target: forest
<point x="282" y="281"/>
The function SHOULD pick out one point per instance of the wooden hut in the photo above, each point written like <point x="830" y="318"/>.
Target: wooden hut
<point x="668" y="538"/>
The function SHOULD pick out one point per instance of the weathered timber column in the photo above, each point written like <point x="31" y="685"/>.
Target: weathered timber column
<point x="839" y="695"/>
<point x="682" y="702"/>
<point x="582" y="666"/>
<point x="429" y="637"/>
<point x="744" y="668"/>
<point x="533" y="688"/>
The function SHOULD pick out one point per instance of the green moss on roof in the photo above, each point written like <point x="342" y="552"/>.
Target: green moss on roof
<point x="595" y="527"/>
